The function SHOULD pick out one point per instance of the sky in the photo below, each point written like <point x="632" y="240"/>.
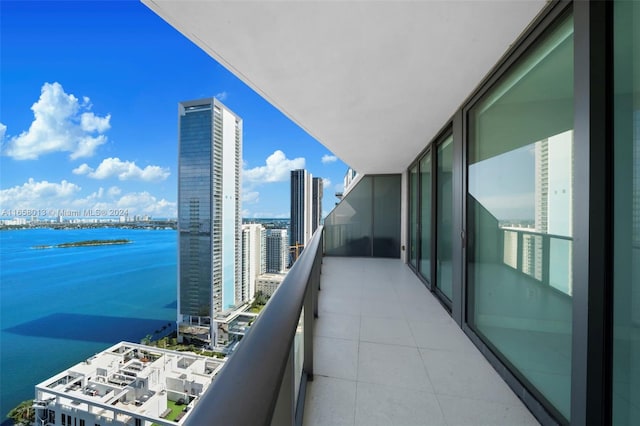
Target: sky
<point x="89" y="94"/>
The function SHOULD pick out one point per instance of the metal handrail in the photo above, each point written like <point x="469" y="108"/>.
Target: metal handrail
<point x="246" y="390"/>
<point x="537" y="234"/>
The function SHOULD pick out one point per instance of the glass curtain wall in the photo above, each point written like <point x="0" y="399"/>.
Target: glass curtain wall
<point x="519" y="217"/>
<point x="425" y="217"/>
<point x="626" y="244"/>
<point x="444" y="216"/>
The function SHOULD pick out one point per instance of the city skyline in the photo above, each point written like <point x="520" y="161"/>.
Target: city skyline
<point x="92" y="90"/>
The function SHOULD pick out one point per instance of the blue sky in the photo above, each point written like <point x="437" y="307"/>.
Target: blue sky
<point x="88" y="114"/>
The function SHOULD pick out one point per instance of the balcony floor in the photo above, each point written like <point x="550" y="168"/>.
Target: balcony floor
<point x="387" y="353"/>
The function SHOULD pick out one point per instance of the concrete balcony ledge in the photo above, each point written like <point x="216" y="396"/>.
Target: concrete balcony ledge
<point x="387" y="353"/>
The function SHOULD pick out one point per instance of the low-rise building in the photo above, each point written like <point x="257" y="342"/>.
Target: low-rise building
<point x="268" y="283"/>
<point x="127" y="384"/>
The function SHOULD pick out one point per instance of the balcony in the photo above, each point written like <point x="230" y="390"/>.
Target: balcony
<point x="387" y="352"/>
<point x="382" y="350"/>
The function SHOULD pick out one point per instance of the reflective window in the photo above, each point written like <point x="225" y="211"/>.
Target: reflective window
<point x="413" y="215"/>
<point x="626" y="259"/>
<point x="519" y="217"/>
<point x="444" y="215"/>
<point x="425" y="216"/>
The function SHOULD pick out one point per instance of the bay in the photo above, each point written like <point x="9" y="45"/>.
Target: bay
<point x="59" y="306"/>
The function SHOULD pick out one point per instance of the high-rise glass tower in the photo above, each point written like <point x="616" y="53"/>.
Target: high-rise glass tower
<point x="316" y="203"/>
<point x="301" y="208"/>
<point x="277" y="250"/>
<point x="209" y="222"/>
<point x="306" y="209"/>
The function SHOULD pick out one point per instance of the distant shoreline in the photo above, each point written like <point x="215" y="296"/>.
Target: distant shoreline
<point x="87" y="243"/>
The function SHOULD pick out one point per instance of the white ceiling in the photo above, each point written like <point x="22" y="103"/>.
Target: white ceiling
<point x="373" y="81"/>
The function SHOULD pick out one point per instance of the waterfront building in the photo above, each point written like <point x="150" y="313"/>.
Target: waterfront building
<point x="253" y="260"/>
<point x="440" y="110"/>
<point x="125" y="385"/>
<point x="277" y="253"/>
<point x="209" y="222"/>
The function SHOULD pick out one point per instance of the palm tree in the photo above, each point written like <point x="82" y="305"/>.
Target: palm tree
<point x="23" y="414"/>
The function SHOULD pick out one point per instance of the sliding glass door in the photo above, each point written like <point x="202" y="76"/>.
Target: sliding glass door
<point x="444" y="206"/>
<point x="519" y="217"/>
<point x="425" y="217"/>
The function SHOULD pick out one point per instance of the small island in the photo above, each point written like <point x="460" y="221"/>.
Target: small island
<point x="86" y="243"/>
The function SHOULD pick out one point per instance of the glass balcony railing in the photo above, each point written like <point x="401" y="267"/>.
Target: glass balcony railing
<point x="543" y="257"/>
<point x="264" y="382"/>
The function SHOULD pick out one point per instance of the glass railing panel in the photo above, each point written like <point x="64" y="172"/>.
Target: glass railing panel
<point x="386" y="216"/>
<point x="366" y="223"/>
<point x="298" y="356"/>
<point x="560" y="264"/>
<point x="510" y="254"/>
<point x="532" y="257"/>
<point x="348" y="226"/>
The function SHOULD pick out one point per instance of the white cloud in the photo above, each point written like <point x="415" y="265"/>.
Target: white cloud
<point x="329" y="159"/>
<point x="222" y="96"/>
<point x="277" y="168"/>
<point x="49" y="198"/>
<point x="250" y="197"/>
<point x="3" y="129"/>
<point x="257" y="215"/>
<point x="145" y="203"/>
<point x="39" y="195"/>
<point x="326" y="183"/>
<point x="89" y="122"/>
<point x="124" y="170"/>
<point x="61" y="123"/>
<point x="82" y="169"/>
<point x="114" y="191"/>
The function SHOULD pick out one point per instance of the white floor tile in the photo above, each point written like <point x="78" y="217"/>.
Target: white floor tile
<point x="472" y="412"/>
<point x="336" y="358"/>
<point x="330" y="402"/>
<point x="440" y="335"/>
<point x="399" y="366"/>
<point x="392" y="331"/>
<point x="386" y="405"/>
<point x="466" y="374"/>
<point x="341" y="326"/>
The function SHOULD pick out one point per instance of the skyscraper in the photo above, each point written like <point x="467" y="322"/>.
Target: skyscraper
<point x="253" y="260"/>
<point x="316" y="204"/>
<point x="277" y="250"/>
<point x="301" y="207"/>
<point x="209" y="222"/>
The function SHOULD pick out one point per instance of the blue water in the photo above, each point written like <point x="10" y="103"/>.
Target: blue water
<point x="59" y="306"/>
